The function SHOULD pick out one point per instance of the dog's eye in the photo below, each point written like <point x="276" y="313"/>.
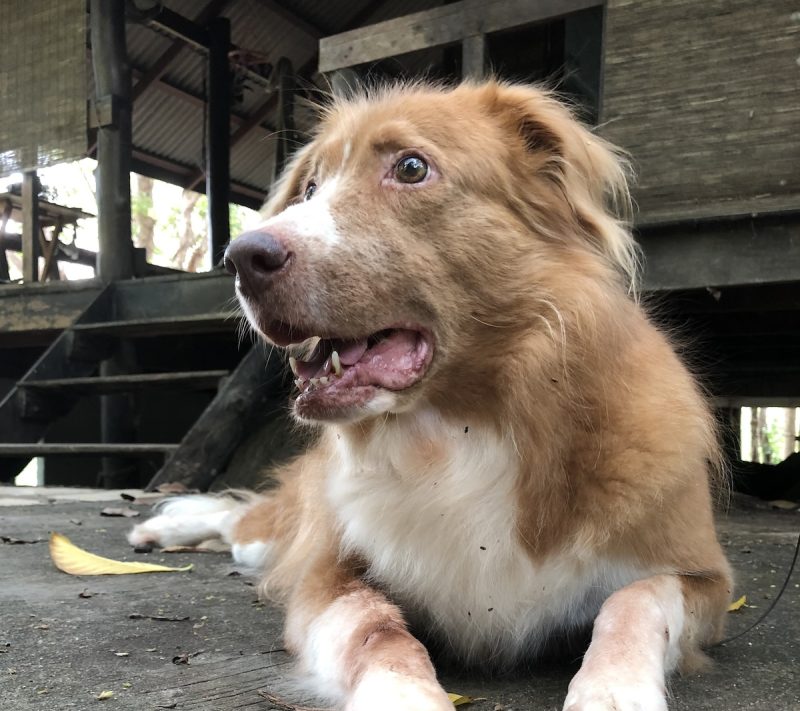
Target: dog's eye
<point x="411" y="169"/>
<point x="311" y="188"/>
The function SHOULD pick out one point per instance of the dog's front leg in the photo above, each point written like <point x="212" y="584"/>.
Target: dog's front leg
<point x="635" y="643"/>
<point x="354" y="646"/>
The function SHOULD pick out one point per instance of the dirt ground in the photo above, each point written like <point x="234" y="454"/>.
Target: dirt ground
<point x="202" y="640"/>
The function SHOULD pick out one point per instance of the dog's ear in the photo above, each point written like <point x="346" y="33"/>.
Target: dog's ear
<point x="289" y="187"/>
<point x="589" y="173"/>
<point x="548" y="129"/>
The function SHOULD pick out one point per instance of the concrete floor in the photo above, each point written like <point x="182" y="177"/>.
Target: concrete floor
<point x="220" y="647"/>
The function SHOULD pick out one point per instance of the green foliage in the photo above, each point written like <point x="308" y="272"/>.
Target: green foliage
<point x="772" y="443"/>
<point x="141" y="203"/>
<point x="236" y="219"/>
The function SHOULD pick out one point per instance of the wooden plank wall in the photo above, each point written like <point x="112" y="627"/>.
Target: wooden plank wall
<point x="705" y="94"/>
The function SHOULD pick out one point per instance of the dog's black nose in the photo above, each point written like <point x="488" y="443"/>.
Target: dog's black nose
<point x="255" y="257"/>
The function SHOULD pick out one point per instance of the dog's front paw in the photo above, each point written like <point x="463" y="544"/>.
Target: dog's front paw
<point x="390" y="691"/>
<point x="613" y="691"/>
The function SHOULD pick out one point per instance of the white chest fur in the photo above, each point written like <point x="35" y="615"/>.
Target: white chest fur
<point x="431" y="506"/>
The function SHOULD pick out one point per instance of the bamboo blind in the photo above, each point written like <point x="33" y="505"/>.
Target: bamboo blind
<point x="43" y="84"/>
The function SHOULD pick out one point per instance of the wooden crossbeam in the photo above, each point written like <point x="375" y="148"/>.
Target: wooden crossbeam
<point x="256" y="118"/>
<point x="30" y="226"/>
<point x="160" y="66"/>
<point x="436" y="27"/>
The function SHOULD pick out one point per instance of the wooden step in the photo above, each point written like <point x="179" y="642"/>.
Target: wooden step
<point x="147" y="327"/>
<point x="41" y="449"/>
<point x="192" y="380"/>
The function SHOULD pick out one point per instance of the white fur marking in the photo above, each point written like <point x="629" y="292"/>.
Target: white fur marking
<point x="188" y="520"/>
<point x="256" y="554"/>
<point x="322" y="650"/>
<point x="447" y="546"/>
<point x="311" y="220"/>
<point x="389" y="691"/>
<point x="624" y="667"/>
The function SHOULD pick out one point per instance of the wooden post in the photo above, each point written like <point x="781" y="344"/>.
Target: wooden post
<point x="473" y="57"/>
<point x="30" y="227"/>
<point x="287" y="136"/>
<point x="218" y="139"/>
<point x="6" y="216"/>
<point x="112" y="78"/>
<point x="250" y="391"/>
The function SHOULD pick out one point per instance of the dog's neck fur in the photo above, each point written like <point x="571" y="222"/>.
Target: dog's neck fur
<point x="400" y="493"/>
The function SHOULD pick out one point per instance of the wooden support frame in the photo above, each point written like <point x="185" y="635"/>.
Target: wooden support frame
<point x="114" y="142"/>
<point x="218" y="138"/>
<point x="287" y="135"/>
<point x="721" y="253"/>
<point x="436" y="27"/>
<point x="208" y="446"/>
<point x="4" y="218"/>
<point x="30" y="226"/>
<point x="156" y="71"/>
<point x="115" y="257"/>
<point x="473" y="57"/>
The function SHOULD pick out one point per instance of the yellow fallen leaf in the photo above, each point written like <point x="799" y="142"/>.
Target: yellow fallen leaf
<point x="76" y="561"/>
<point x="737" y="604"/>
<point x="458" y="699"/>
<point x="103" y="695"/>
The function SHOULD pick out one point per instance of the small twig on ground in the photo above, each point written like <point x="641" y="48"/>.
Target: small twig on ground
<point x="280" y="703"/>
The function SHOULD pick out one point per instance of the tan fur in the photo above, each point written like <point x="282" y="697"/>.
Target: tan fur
<point x="515" y="259"/>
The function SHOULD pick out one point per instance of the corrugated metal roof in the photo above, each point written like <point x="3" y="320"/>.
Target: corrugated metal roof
<point x="168" y="116"/>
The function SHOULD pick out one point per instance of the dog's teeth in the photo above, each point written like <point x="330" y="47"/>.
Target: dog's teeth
<point x="299" y="382"/>
<point x="323" y="380"/>
<point x="293" y="365"/>
<point x="314" y="382"/>
<point x="337" y="364"/>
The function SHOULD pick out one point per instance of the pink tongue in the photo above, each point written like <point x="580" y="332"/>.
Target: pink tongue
<point x="350" y="352"/>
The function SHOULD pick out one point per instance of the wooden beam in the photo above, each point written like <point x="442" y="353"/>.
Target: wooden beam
<point x="190" y="97"/>
<point x="287" y="135"/>
<point x="438" y="26"/>
<point x="181" y="174"/>
<point x="218" y="137"/>
<point x="250" y="390"/>
<point x="722" y="253"/>
<point x="30" y="226"/>
<point x="7" y="208"/>
<point x="473" y="57"/>
<point x="254" y="120"/>
<point x="76" y="255"/>
<point x="156" y="71"/>
<point x="113" y="82"/>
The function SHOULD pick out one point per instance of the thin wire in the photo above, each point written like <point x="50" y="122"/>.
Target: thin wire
<point x="772" y="605"/>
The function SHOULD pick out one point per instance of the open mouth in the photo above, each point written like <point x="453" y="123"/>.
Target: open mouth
<point x="339" y="374"/>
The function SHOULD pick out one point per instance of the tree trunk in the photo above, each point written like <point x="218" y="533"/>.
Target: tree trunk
<point x="145" y="223"/>
<point x="763" y="441"/>
<point x="187" y="236"/>
<point x="789" y="431"/>
<point x="754" y="437"/>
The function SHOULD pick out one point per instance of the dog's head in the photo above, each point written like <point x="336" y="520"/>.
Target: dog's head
<point x="407" y="246"/>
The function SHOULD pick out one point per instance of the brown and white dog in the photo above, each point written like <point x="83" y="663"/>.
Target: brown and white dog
<point x="508" y="450"/>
